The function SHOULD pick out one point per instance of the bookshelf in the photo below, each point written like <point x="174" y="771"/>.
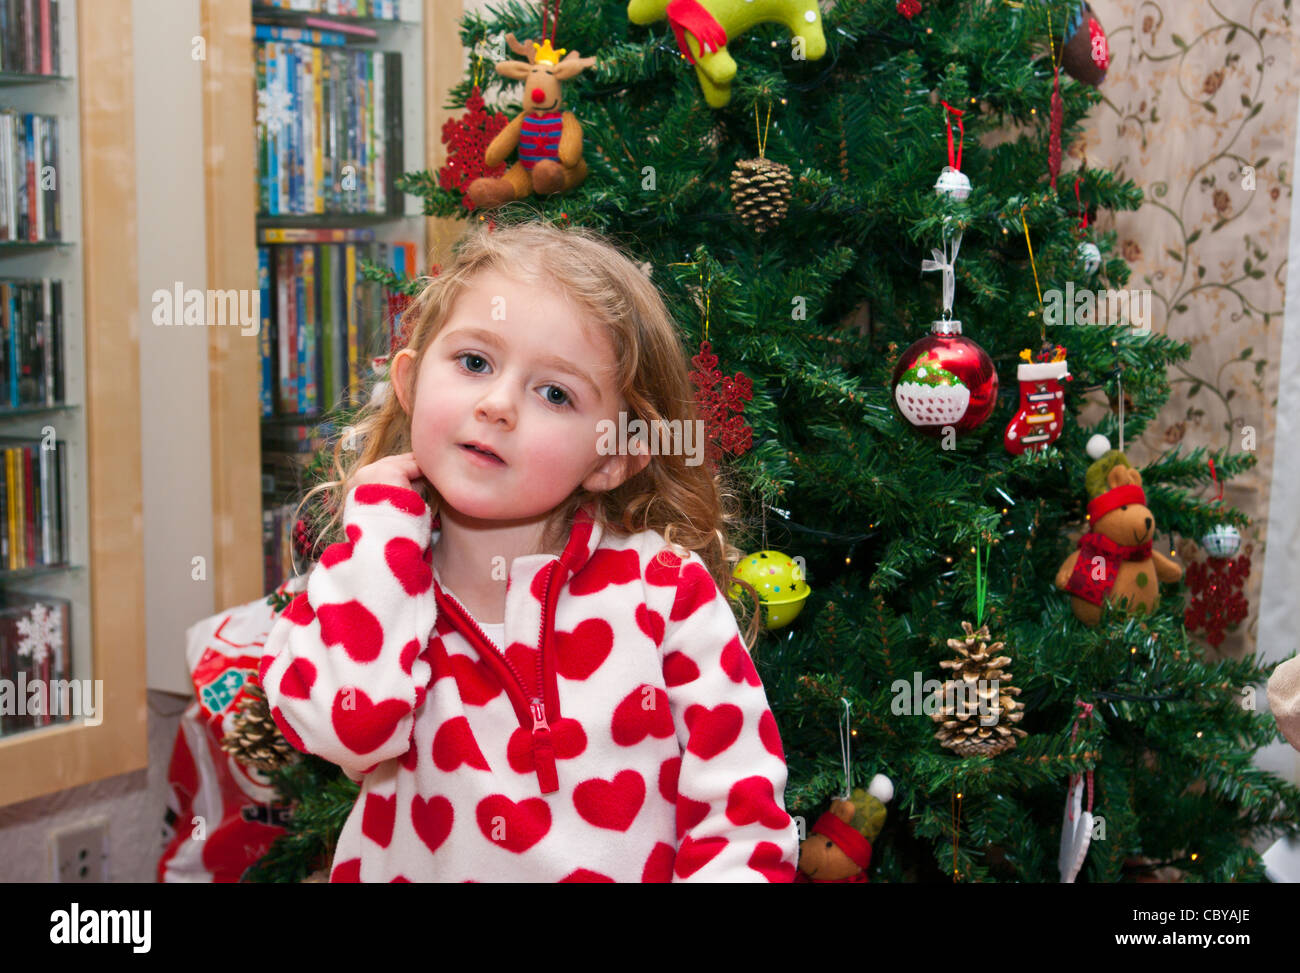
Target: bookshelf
<point x="78" y="391"/>
<point x="432" y="61"/>
<point x="340" y="115"/>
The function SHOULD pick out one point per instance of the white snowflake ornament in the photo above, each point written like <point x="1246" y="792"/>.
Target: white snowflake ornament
<point x="42" y="635"/>
<point x="274" y="107"/>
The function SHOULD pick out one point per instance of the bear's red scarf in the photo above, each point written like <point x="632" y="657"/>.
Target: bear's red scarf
<point x="1083" y="584"/>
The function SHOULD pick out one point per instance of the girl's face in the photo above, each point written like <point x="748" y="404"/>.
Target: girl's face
<point x="514" y="370"/>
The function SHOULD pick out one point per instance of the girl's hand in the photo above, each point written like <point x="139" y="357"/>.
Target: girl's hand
<point x="399" y="470"/>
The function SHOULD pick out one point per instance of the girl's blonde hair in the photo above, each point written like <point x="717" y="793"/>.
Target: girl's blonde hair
<point x="693" y="507"/>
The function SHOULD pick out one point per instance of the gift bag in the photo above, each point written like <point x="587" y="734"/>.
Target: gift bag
<point x="221" y="816"/>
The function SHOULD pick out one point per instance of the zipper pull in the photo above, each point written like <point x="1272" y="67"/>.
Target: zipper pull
<point x="543" y="750"/>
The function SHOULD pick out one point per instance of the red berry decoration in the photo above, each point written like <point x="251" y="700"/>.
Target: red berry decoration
<point x="1217" y="603"/>
<point x="467" y="140"/>
<point x="909" y="8"/>
<point x="303" y="542"/>
<point x="716" y="395"/>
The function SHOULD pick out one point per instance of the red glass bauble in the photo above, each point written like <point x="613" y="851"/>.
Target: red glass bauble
<point x="945" y="379"/>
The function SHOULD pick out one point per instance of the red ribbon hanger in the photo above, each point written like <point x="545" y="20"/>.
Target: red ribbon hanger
<point x="954" y="161"/>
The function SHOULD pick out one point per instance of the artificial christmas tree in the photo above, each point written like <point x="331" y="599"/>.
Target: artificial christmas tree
<point x="863" y="131"/>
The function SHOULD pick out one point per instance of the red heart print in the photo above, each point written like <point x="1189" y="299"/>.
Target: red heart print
<point x="363" y="726"/>
<point x="668" y="774"/>
<point x="584" y="875"/>
<point x="581" y="652"/>
<point x="475" y="680"/>
<point x="679" y="669"/>
<point x="767" y="859"/>
<point x="751" y="800"/>
<point x="515" y="827"/>
<point x="300" y="611"/>
<point x="664" y="569"/>
<point x="432" y="819"/>
<point x="409" y="653"/>
<point x="402" y="498"/>
<point x="695" y="854"/>
<point x="689" y="813"/>
<point x="611" y="804"/>
<point x="348" y="871"/>
<point x="737" y="664"/>
<point x="605" y="568"/>
<point x="298" y="679"/>
<point x="336" y="553"/>
<point x="406" y="561"/>
<point x="643" y="712"/>
<point x="695" y="589"/>
<point x="650" y="622"/>
<point x="567" y="737"/>
<point x="454" y="745"/>
<point x="353" y="626"/>
<point x="378" y="817"/>
<point x="713" y="730"/>
<point x="659" y="865"/>
<point x="768" y="733"/>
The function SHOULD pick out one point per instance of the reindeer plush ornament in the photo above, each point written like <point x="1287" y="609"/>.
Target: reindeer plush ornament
<point x="548" y="140"/>
<point x="1115" y="561"/>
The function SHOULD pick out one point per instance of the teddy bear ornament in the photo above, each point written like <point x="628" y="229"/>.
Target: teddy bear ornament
<point x="1116" y="561"/>
<point x="838" y="849"/>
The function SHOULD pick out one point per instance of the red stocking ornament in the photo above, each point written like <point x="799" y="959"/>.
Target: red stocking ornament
<point x="1042" y="401"/>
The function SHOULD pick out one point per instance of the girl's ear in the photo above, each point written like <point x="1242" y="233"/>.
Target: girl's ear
<point x="399" y="376"/>
<point x="615" y="471"/>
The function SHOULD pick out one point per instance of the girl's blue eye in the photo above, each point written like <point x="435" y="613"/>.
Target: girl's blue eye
<point x="564" y="403"/>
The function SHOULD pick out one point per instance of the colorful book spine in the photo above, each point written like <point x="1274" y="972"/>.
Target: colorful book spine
<point x="317" y="126"/>
<point x="298" y="35"/>
<point x="315" y="235"/>
<point x="350" y="307"/>
<point x="264" y="332"/>
<point x="282" y="323"/>
<point x="299" y="327"/>
<point x="263" y="168"/>
<point x="328" y="349"/>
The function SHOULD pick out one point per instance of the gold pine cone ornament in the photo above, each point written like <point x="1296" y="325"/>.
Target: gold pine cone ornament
<point x="979" y="710"/>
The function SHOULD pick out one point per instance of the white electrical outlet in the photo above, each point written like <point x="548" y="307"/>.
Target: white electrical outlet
<point x="80" y="852"/>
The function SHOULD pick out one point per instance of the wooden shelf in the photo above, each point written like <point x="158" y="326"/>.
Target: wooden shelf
<point x="18" y="78"/>
<point x="104" y="581"/>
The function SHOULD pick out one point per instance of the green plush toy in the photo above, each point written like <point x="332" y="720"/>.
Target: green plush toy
<point x="703" y="28"/>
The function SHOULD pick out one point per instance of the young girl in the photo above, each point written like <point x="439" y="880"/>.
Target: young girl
<point x="550" y="685"/>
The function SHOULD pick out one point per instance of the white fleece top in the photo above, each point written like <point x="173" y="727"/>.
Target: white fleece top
<point x="623" y="734"/>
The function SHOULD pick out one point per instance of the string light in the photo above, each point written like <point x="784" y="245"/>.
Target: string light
<point x="1199" y="734"/>
<point x="1194" y="856"/>
<point x="1133" y="650"/>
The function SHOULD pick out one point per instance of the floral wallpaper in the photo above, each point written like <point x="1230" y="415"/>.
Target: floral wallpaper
<point x="1199" y="110"/>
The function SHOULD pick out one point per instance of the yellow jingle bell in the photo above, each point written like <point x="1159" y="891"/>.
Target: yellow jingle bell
<point x="779" y="581"/>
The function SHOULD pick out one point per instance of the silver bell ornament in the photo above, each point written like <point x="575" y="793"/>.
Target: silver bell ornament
<point x="1089" y="257"/>
<point x="952" y="183"/>
<point x="1223" y="541"/>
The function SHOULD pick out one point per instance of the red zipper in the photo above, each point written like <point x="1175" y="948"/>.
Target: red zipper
<point x="543" y="746"/>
